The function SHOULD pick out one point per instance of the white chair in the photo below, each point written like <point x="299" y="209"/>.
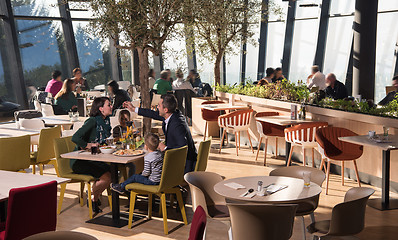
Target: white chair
<point x="47" y="110"/>
<point x="99" y="87"/>
<point x="70" y="132"/>
<point x="124" y="85"/>
<point x="136" y="103"/>
<point x="155" y="100"/>
<point x="35" y="124"/>
<point x="303" y="135"/>
<point x="37" y="105"/>
<point x="94" y="94"/>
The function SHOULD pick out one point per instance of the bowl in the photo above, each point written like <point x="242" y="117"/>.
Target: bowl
<point x="108" y="149"/>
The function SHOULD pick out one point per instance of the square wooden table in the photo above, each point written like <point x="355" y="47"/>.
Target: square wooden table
<point x="385" y="202"/>
<point x="114" y="162"/>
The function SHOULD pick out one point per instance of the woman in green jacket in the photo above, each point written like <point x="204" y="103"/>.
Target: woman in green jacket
<point x="65" y="98"/>
<point x="94" y="131"/>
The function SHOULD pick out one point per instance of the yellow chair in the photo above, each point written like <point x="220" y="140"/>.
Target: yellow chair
<point x="14" y="153"/>
<point x="203" y="155"/>
<point x="172" y="176"/>
<point x="45" y="152"/>
<point x="65" y="145"/>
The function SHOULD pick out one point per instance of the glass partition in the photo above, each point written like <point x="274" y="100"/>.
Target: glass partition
<point x="42" y="8"/>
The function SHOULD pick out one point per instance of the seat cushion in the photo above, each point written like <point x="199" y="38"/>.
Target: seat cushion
<point x="319" y="228"/>
<point x="138" y="187"/>
<point x="80" y="177"/>
<point x="218" y="211"/>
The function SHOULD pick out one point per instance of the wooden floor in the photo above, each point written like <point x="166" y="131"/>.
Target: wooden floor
<point x="379" y="225"/>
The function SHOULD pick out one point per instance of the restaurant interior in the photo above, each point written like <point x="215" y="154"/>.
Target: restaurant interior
<point x="159" y="119"/>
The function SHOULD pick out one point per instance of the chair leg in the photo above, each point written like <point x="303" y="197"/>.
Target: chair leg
<point x="164" y="212"/>
<point x="342" y="173"/>
<point x="239" y="139"/>
<point x="109" y="192"/>
<point x="81" y="194"/>
<point x="54" y="163"/>
<point x="304" y="157"/>
<point x="312" y="217"/>
<point x="182" y="208"/>
<point x="313" y="157"/>
<point x="131" y="210"/>
<point x="258" y="148"/>
<point x="357" y="173"/>
<point x="265" y="151"/>
<point x="90" y="203"/>
<point x="204" y="135"/>
<point x="61" y="197"/>
<point x="290" y="156"/>
<point x="327" y="177"/>
<point x="41" y="166"/>
<point x="250" y="140"/>
<point x="236" y="143"/>
<point x="149" y="206"/>
<point x="222" y="139"/>
<point x="304" y="229"/>
<point x="276" y="146"/>
<point x="34" y="169"/>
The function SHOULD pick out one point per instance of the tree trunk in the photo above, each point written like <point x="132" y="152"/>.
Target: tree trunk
<point x="217" y="69"/>
<point x="145" y="98"/>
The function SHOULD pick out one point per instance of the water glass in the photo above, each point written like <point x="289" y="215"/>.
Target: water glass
<point x="385" y="130"/>
<point x="307" y="179"/>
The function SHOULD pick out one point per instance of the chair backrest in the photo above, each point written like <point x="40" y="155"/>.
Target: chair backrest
<point x="266" y="114"/>
<point x="155" y="100"/>
<point x="31" y="210"/>
<point x="265" y="128"/>
<point x="317" y="176"/>
<point x="47" y="110"/>
<point x="198" y="224"/>
<point x="94" y="94"/>
<point x="203" y="155"/>
<point x="209" y="115"/>
<point x="37" y="105"/>
<point x="61" y="146"/>
<point x="124" y="85"/>
<point x="15" y="153"/>
<point x="173" y="168"/>
<point x="327" y="139"/>
<point x="303" y="133"/>
<point x="61" y="235"/>
<point x="262" y="221"/>
<point x="260" y="128"/>
<point x="202" y="189"/>
<point x="238" y="118"/>
<point x="33" y="123"/>
<point x="45" y="150"/>
<point x="348" y="218"/>
<point x="390" y="89"/>
<point x="133" y="115"/>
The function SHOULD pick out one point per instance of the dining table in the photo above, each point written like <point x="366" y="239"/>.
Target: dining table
<point x="114" y="161"/>
<point x="284" y="121"/>
<point x="12" y="131"/>
<point x="386" y="144"/>
<point x="62" y="120"/>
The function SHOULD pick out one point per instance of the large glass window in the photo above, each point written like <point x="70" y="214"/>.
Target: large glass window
<point x="342" y="7"/>
<point x="252" y="55"/>
<point x="6" y="91"/>
<point x="175" y="53"/>
<point x="93" y="55"/>
<point x="233" y="67"/>
<point x="205" y="68"/>
<point x="80" y="9"/>
<point x="43" y="8"/>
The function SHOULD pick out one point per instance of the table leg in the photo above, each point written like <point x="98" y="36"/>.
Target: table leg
<point x="115" y="195"/>
<point x="287" y="149"/>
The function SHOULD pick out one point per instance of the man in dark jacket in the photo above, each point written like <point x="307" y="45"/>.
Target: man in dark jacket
<point x="335" y="89"/>
<point x="174" y="126"/>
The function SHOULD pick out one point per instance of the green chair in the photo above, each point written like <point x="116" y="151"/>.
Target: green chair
<point x="14" y="153"/>
<point x="45" y="152"/>
<point x="172" y="176"/>
<point x="203" y="155"/>
<point x="65" y="145"/>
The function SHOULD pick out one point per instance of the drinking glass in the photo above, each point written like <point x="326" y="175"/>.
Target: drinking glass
<point x="307" y="179"/>
<point x="385" y="130"/>
<point x="94" y="148"/>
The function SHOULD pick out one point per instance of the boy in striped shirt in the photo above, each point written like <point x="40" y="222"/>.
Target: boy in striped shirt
<point x="153" y="163"/>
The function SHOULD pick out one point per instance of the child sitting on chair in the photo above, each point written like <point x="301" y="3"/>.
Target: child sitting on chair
<point x="153" y="163"/>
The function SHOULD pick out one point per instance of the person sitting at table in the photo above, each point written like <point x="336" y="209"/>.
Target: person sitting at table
<point x="93" y="132"/>
<point x="55" y="84"/>
<point x="153" y="163"/>
<point x="162" y="85"/>
<point x="316" y="79"/>
<point x="335" y="89"/>
<point x="81" y="83"/>
<point x="278" y="75"/>
<point x="124" y="117"/>
<point x="180" y="83"/>
<point x="391" y="95"/>
<point x="65" y="98"/>
<point x="174" y="126"/>
<point x="268" y="78"/>
<point x="118" y="96"/>
<point x="194" y="78"/>
<point x="169" y="78"/>
<point x="151" y="78"/>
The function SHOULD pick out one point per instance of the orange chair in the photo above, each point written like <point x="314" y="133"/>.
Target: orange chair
<point x="303" y="135"/>
<point x="268" y="130"/>
<point x="237" y="122"/>
<point x="331" y="148"/>
<point x="210" y="116"/>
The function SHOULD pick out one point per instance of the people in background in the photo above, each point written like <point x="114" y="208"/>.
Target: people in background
<point x="80" y="81"/>
<point x="151" y="78"/>
<point x="180" y="82"/>
<point x="175" y="128"/>
<point x="118" y="96"/>
<point x="94" y="132"/>
<point x="169" y="78"/>
<point x="55" y="84"/>
<point x="153" y="163"/>
<point x="162" y="85"/>
<point x="65" y="98"/>
<point x="391" y="95"/>
<point x="278" y="75"/>
<point x="194" y="78"/>
<point x="124" y="117"/>
<point x="268" y="78"/>
<point x="335" y="89"/>
<point x="316" y="79"/>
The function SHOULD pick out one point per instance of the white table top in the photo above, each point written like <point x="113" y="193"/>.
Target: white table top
<point x="282" y="120"/>
<point x="6" y="132"/>
<point x="390" y="144"/>
<point x="222" y="106"/>
<point x="60" y="120"/>
<point x="295" y="191"/>
<point x="101" y="157"/>
<point x="9" y="180"/>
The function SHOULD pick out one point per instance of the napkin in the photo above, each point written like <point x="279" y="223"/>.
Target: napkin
<point x="234" y="185"/>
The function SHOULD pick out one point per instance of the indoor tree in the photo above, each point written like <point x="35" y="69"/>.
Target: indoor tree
<point x="142" y="25"/>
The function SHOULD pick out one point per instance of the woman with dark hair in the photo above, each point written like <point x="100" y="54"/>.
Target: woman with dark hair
<point x="118" y="96"/>
<point x="80" y="81"/>
<point x="65" y="98"/>
<point x="94" y="131"/>
<point x="193" y="78"/>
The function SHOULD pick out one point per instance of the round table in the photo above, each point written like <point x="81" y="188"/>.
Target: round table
<point x="295" y="192"/>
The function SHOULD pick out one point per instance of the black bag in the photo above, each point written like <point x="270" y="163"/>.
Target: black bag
<point x="27" y="114"/>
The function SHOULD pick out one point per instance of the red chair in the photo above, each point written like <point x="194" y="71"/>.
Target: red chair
<point x="198" y="224"/>
<point x="210" y="116"/>
<point x="31" y="210"/>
